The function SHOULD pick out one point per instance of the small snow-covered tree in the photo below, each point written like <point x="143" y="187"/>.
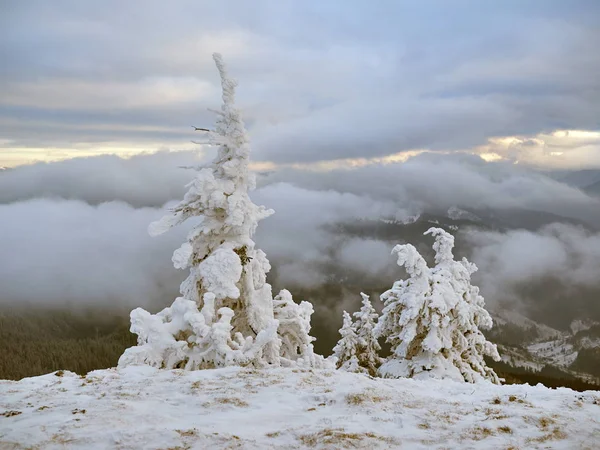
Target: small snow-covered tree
<point x="225" y="314"/>
<point x="368" y="348"/>
<point x="433" y="319"/>
<point x="357" y="350"/>
<point x="345" y="350"/>
<point x="294" y="328"/>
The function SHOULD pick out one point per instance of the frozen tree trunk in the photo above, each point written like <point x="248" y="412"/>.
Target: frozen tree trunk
<point x="433" y="319"/>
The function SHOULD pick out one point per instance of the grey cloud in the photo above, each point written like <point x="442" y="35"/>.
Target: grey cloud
<point x="551" y="271"/>
<point x="435" y="183"/>
<point x="58" y="252"/>
<point x="67" y="234"/>
<point x="367" y="127"/>
<point x="426" y="183"/>
<point x="302" y="240"/>
<point x="144" y="180"/>
<point x="563" y="251"/>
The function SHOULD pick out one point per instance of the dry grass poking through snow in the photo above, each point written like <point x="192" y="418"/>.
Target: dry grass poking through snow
<point x="367" y="396"/>
<point x="284" y="408"/>
<point x="339" y="438"/>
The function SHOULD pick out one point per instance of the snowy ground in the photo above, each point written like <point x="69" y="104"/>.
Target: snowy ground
<point x="558" y="352"/>
<point x="143" y="408"/>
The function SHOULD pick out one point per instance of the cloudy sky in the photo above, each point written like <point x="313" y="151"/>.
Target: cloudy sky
<point x="354" y="81"/>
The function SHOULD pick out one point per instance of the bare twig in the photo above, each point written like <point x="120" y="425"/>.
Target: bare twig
<point x="216" y="111"/>
<point x="200" y="129"/>
<point x="200" y="167"/>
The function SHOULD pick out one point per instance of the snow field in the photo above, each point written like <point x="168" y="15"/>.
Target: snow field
<point x="143" y="407"/>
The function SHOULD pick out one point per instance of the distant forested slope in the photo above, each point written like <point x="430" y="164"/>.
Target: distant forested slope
<point x="36" y="342"/>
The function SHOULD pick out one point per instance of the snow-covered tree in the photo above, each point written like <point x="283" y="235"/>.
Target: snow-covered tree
<point x="225" y="313"/>
<point x="294" y="328"/>
<point x="345" y="350"/>
<point x="357" y="350"/>
<point x="367" y="350"/>
<point x="433" y="319"/>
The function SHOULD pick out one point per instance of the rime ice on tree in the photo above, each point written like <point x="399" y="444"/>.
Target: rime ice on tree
<point x="225" y="314"/>
<point x="357" y="350"/>
<point x="433" y="318"/>
<point x="294" y="325"/>
<point x="345" y="350"/>
<point x="368" y="348"/>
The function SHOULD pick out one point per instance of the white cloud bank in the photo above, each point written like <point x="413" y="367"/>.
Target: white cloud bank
<point x="76" y="231"/>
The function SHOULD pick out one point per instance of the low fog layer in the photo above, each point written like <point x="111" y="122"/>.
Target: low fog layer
<point x="554" y="270"/>
<point x="75" y="232"/>
<point x="432" y="182"/>
<point x="67" y="252"/>
<point x="145" y="180"/>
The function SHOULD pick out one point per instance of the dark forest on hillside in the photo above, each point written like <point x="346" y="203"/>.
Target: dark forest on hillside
<point x="35" y="343"/>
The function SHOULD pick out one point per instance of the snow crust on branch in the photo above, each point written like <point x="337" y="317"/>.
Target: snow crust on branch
<point x="180" y="336"/>
<point x="433" y="319"/>
<point x="225" y="315"/>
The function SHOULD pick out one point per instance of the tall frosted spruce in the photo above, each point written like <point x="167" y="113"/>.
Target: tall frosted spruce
<point x="225" y="315"/>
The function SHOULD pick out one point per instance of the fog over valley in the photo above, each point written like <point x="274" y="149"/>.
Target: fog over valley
<point x="75" y="232"/>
